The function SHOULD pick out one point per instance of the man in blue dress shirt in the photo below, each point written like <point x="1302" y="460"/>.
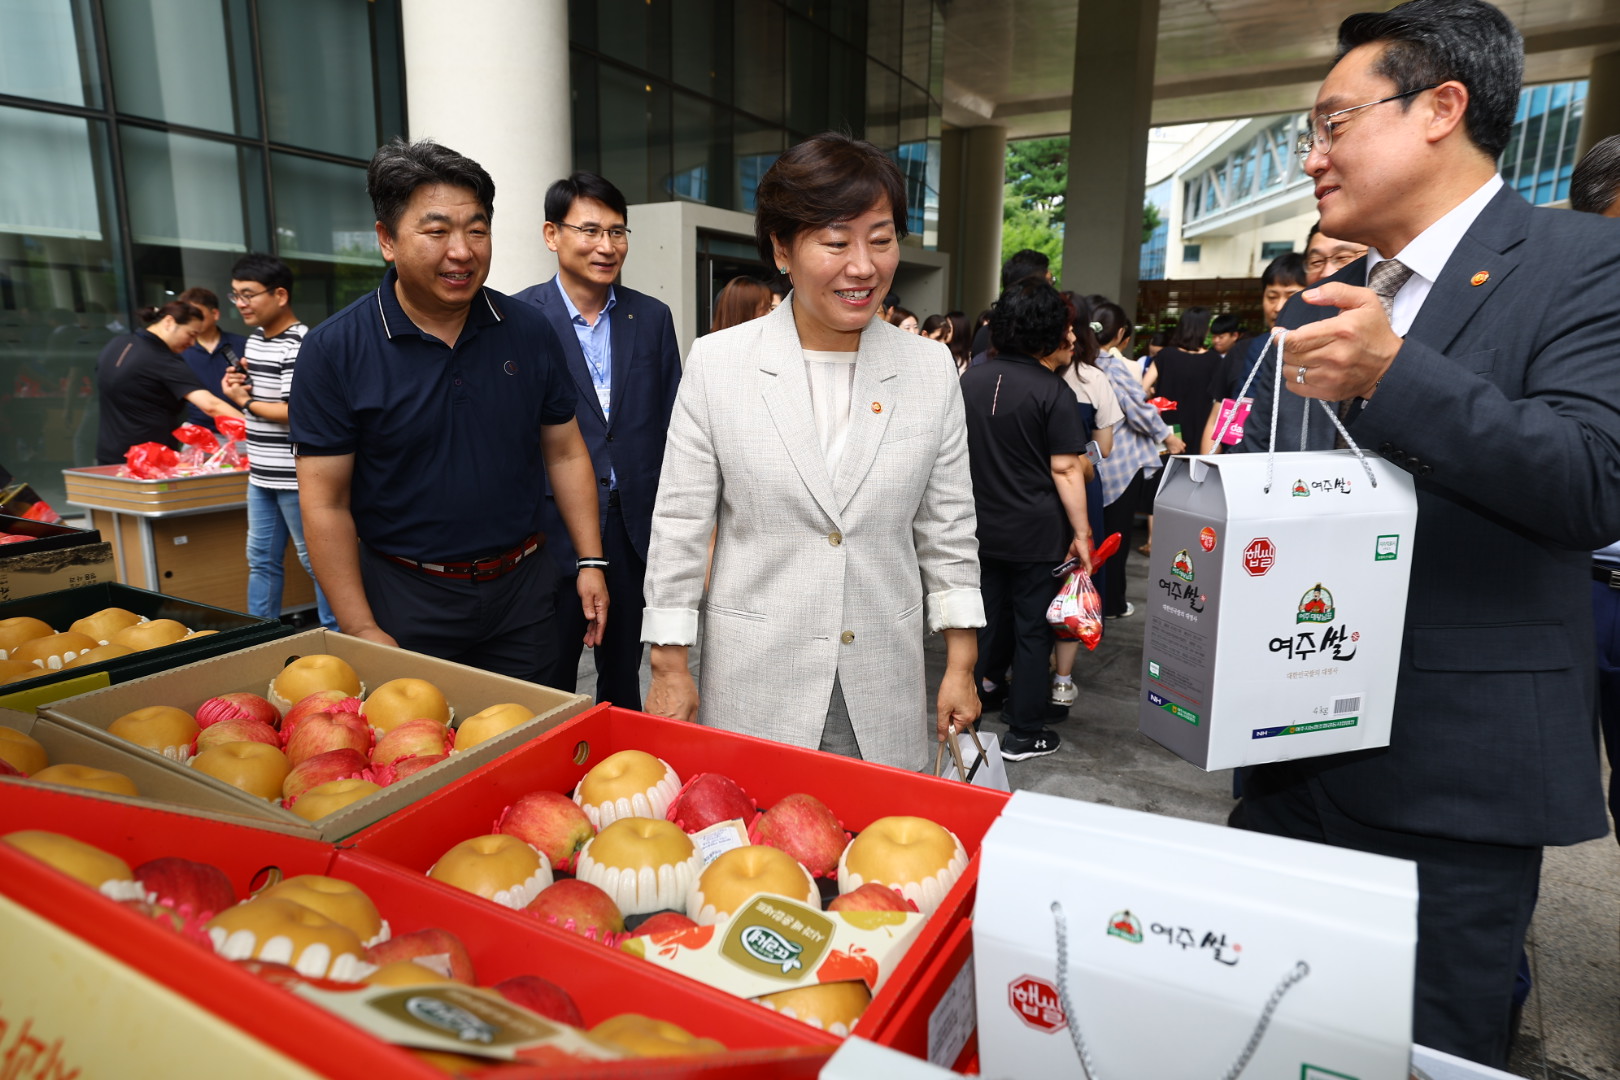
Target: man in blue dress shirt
<point x="620" y="349"/>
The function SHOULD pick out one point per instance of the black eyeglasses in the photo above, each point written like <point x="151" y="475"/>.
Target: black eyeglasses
<point x="618" y="233"/>
<point x="244" y="297"/>
<point x="1320" y="135"/>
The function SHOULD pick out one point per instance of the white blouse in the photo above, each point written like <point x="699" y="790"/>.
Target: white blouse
<point x="832" y="389"/>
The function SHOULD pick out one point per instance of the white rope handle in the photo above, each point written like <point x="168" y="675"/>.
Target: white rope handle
<point x="1277" y="336"/>
<point x="1088" y="1065"/>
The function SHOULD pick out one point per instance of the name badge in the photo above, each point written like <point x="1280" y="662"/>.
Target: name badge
<point x="604" y="395"/>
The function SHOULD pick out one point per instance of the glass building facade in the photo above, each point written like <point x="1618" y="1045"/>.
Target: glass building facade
<point x="1540" y="154"/>
<point x="148" y="144"/>
<point x="693" y="99"/>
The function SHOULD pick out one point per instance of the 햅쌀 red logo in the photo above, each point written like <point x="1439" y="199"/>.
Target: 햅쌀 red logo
<point x="1036" y="1003"/>
<point x="1259" y="556"/>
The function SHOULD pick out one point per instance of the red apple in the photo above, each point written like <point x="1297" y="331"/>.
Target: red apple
<point x="806" y="829"/>
<point x="540" y="996"/>
<point x="318" y="702"/>
<point x="191" y="888"/>
<point x="663" y="923"/>
<point x="187" y="926"/>
<point x="432" y="948"/>
<point x="342" y="764"/>
<point x="318" y="733"/>
<point x="232" y="706"/>
<point x="550" y="822"/>
<point x="413" y="738"/>
<point x="237" y="729"/>
<point x="708" y="798"/>
<point x="412" y="765"/>
<point x="873" y="896"/>
<point x="578" y="906"/>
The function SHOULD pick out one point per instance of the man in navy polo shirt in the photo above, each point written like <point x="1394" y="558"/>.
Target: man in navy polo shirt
<point x="425" y="417"/>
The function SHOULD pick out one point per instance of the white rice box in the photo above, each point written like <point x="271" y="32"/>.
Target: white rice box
<point x="1159" y="949"/>
<point x="1275" y="618"/>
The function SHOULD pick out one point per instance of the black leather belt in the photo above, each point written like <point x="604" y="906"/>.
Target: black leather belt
<point x="486" y="569"/>
<point x="1604" y="574"/>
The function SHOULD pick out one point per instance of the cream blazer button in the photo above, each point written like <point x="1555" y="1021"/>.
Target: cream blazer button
<point x="847" y="636"/>
<point x="835" y="538"/>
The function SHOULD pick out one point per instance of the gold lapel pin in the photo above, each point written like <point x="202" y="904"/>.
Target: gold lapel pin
<point x="877" y="406"/>
<point x="1480" y="278"/>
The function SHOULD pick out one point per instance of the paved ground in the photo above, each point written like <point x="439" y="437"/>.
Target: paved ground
<point x="1571" y="1028"/>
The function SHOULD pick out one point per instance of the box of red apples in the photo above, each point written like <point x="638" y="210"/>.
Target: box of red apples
<point x="240" y="750"/>
<point x="785" y="793"/>
<point x="294" y="919"/>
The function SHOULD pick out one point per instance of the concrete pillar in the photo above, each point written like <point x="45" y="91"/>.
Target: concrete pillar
<point x="503" y="99"/>
<point x="1602" y="103"/>
<point x="1108" y="134"/>
<point x="973" y="171"/>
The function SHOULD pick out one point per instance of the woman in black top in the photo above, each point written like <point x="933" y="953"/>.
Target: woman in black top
<point x="1181" y="373"/>
<point x="144" y="385"/>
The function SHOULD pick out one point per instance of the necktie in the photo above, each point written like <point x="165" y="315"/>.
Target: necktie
<point x="1386" y="280"/>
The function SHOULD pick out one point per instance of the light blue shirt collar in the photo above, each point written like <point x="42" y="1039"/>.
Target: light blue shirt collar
<point x="573" y="312"/>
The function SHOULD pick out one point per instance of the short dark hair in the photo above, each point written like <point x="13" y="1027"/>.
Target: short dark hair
<point x="825" y="179"/>
<point x="1225" y="323"/>
<point x="197" y="296"/>
<point x="398" y="168"/>
<point x="1030" y="319"/>
<point x="1433" y="41"/>
<point x="267" y="270"/>
<point x="1285" y="269"/>
<point x="1022" y="265"/>
<point x="561" y="196"/>
<point x="1595" y="183"/>
<point x="1190" y="329"/>
<point x="178" y="310"/>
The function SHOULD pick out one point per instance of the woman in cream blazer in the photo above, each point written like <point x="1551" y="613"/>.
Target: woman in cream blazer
<point x="821" y="575"/>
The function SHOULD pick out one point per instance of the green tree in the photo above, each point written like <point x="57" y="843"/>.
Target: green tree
<point x="1036" y="180"/>
<point x="1150" y="220"/>
<point x="1038" y="175"/>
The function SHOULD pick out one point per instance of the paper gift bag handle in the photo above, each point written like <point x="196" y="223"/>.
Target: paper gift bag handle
<point x="963" y="773"/>
<point x="1060" y="926"/>
<point x="1276" y="338"/>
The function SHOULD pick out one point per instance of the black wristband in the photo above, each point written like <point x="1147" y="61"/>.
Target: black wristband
<point x="590" y="564"/>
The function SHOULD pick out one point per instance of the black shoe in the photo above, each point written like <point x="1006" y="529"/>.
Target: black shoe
<point x="1016" y="747"/>
<point x="992" y="700"/>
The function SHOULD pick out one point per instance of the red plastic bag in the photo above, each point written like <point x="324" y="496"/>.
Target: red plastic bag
<point x="230" y="455"/>
<point x="1076" y="611"/>
<point x="150" y="461"/>
<point x="1162" y="403"/>
<point x="199" y="443"/>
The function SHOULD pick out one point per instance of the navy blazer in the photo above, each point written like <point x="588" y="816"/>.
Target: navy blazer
<point x="646" y="374"/>
<point x="1504" y="405"/>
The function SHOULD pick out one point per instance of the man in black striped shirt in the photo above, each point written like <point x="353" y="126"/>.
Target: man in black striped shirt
<point x="261" y="289"/>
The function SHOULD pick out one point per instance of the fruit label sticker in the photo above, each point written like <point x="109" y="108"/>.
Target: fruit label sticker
<point x="460" y="1019"/>
<point x="772" y="943"/>
<point x="1206" y="538"/>
<point x="719" y="838"/>
<point x="774" y="936"/>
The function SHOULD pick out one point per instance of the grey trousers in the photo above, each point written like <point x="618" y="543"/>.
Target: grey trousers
<point x="838" y="734"/>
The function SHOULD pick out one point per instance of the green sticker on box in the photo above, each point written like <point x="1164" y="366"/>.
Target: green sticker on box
<point x="1388" y="549"/>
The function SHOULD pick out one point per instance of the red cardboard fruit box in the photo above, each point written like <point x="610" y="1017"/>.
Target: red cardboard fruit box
<point x="287" y="1028"/>
<point x="858" y="792"/>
